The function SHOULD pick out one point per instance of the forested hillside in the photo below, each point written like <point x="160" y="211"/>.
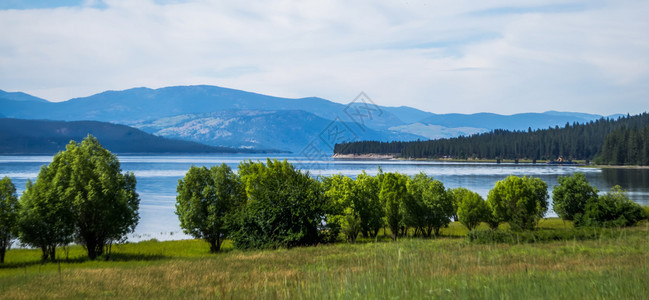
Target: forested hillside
<point x="48" y="137"/>
<point x="626" y="146"/>
<point x="624" y="140"/>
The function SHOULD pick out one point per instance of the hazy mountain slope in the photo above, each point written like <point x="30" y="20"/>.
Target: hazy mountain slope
<point x="143" y="104"/>
<point x="19" y="96"/>
<point x="407" y="114"/>
<point x="284" y="129"/>
<point x="48" y="137"/>
<point x="436" y="131"/>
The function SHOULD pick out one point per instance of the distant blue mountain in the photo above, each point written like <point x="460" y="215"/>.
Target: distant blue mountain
<point x="407" y="114"/>
<point x="48" y="137"/>
<point x="289" y="130"/>
<point x="201" y="113"/>
<point x="143" y="104"/>
<point x="20" y="96"/>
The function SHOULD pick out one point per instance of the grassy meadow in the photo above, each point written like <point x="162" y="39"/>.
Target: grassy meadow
<point x="613" y="266"/>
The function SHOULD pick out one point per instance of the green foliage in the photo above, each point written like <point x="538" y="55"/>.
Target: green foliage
<point x="573" y="141"/>
<point x="284" y="207"/>
<point x="354" y="205"/>
<point x="46" y="217"/>
<point x="472" y="209"/>
<point x="104" y="200"/>
<point x="82" y="192"/>
<point x="614" y="209"/>
<point x="343" y="200"/>
<point x="521" y="201"/>
<point x="9" y="208"/>
<point x="570" y="197"/>
<point x="429" y="207"/>
<point x="369" y="208"/>
<point x="204" y="201"/>
<point x="393" y="193"/>
<point x="626" y="146"/>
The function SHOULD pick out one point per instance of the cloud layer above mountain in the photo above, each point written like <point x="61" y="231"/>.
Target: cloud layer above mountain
<point x="440" y="56"/>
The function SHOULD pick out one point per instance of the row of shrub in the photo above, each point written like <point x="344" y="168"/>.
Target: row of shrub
<point x="272" y="204"/>
<point x="83" y="197"/>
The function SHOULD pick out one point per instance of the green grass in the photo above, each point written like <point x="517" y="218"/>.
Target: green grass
<point x="610" y="267"/>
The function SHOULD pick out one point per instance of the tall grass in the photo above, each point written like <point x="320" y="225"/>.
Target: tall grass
<point x="614" y="266"/>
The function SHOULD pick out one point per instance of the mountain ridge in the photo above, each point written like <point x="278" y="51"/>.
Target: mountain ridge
<point x="140" y="106"/>
<point x="20" y="136"/>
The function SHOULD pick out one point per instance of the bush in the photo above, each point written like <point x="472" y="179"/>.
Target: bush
<point x="570" y="197"/>
<point x="614" y="209"/>
<point x="205" y="199"/>
<point x="429" y="207"/>
<point x="284" y="207"/>
<point x="472" y="209"/>
<point x="521" y="201"/>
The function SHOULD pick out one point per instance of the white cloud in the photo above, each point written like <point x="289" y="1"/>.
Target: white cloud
<point x="440" y="56"/>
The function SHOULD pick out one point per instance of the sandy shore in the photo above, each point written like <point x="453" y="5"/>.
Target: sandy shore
<point x="364" y="156"/>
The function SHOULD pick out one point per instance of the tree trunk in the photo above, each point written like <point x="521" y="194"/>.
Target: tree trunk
<point x="109" y="249"/>
<point x="45" y="253"/>
<point x="3" y="250"/>
<point x="429" y="231"/>
<point x="92" y="249"/>
<point x="52" y="251"/>
<point x="215" y="244"/>
<point x="101" y="243"/>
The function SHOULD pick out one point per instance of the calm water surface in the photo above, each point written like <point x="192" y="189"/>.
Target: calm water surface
<point x="157" y="177"/>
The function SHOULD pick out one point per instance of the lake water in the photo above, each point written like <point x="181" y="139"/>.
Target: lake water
<point x="157" y="177"/>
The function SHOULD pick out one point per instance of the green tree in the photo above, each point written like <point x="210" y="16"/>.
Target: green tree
<point x="82" y="192"/>
<point x="342" y="195"/>
<point x="521" y="201"/>
<point x="570" y="197"/>
<point x="393" y="192"/>
<point x="204" y="201"/>
<point x="472" y="209"/>
<point x="613" y="209"/>
<point x="429" y="206"/>
<point x="104" y="200"/>
<point x="370" y="209"/>
<point x="284" y="207"/>
<point x="46" y="218"/>
<point x="9" y="208"/>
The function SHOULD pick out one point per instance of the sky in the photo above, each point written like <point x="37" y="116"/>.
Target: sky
<point x="440" y="56"/>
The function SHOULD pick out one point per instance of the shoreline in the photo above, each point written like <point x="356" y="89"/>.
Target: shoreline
<point x="364" y="156"/>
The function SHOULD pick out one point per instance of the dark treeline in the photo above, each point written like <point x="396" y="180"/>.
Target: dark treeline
<point x="626" y="146"/>
<point x="573" y="141"/>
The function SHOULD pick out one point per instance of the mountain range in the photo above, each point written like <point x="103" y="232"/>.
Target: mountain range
<point x="19" y="136"/>
<point x="225" y="117"/>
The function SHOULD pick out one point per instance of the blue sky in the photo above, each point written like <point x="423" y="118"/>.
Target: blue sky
<point x="440" y="56"/>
